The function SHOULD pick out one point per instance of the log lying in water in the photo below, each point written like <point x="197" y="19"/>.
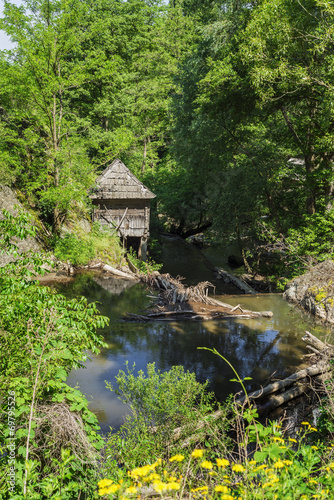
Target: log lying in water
<point x="230" y="278"/>
<point x="276" y="398"/>
<point x="113" y="270"/>
<point x="317" y="345"/>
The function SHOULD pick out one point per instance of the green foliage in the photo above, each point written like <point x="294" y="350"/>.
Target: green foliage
<point x="159" y="402"/>
<point x="282" y="467"/>
<point x="98" y="244"/>
<point x="43" y="337"/>
<point x="314" y="238"/>
<point x="144" y="267"/>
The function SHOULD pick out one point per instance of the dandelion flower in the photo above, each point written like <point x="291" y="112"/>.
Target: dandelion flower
<point x="197" y="453"/>
<point x="176" y="458"/>
<point x="112" y="489"/>
<point x="159" y="486"/>
<point x="173" y="485"/>
<point x="104" y="483"/>
<point x="222" y="462"/>
<point x="238" y="468"/>
<point x="221" y="488"/>
<point x="206" y="464"/>
<point x="130" y="490"/>
<point x="279" y="439"/>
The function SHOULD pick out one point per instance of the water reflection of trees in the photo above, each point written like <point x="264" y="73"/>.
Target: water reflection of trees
<point x="255" y="349"/>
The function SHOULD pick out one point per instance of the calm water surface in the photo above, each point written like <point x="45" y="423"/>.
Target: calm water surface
<point x="257" y="348"/>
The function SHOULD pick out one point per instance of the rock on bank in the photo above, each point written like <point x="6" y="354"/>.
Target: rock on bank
<point x="314" y="291"/>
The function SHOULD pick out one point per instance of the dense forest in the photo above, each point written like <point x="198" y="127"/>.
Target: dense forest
<point x="225" y="110"/>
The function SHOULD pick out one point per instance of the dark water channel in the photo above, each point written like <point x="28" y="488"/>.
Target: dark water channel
<point x="256" y="347"/>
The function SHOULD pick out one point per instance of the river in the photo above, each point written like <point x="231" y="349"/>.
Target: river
<point x="256" y="348"/>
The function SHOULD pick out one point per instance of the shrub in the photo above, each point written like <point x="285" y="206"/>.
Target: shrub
<point x="81" y="248"/>
<point x="159" y="403"/>
<point x="43" y="337"/>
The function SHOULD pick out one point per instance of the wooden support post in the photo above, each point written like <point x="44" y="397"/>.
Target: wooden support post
<point x="142" y="253"/>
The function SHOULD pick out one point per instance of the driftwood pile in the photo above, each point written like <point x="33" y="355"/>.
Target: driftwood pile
<point x="174" y="291"/>
<point x="177" y="301"/>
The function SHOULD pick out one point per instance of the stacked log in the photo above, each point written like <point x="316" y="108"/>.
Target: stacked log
<point x="276" y="394"/>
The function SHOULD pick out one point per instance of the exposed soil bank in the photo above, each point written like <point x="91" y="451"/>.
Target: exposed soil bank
<point x="314" y="291"/>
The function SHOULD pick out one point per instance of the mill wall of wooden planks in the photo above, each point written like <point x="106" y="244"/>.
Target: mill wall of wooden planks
<point x="123" y="203"/>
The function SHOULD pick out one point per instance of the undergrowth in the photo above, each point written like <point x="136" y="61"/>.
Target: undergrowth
<point x="233" y="457"/>
<point x="81" y="248"/>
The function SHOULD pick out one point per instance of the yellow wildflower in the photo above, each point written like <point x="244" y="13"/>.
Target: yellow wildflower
<point x="222" y="462"/>
<point x="221" y="488"/>
<point x="151" y="477"/>
<point x="305" y="423"/>
<point x="206" y="464"/>
<point x="177" y="458"/>
<point x="314" y="448"/>
<point x="279" y="464"/>
<point x="226" y="497"/>
<point x="260" y="467"/>
<point x="173" y="485"/>
<point x="313" y="429"/>
<point x="238" y="468"/>
<point x="104" y="482"/>
<point x="292" y="440"/>
<point x="312" y="481"/>
<point x="111" y="489"/>
<point x="197" y="453"/>
<point x="275" y="438"/>
<point x="200" y="488"/>
<point x="159" y="486"/>
<point x="141" y="471"/>
<point x="287" y="462"/>
<point x="265" y="485"/>
<point x="130" y="490"/>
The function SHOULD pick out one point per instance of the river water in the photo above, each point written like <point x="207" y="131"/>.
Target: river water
<point x="257" y="348"/>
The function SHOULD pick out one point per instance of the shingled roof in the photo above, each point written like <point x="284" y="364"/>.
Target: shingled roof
<point x="117" y="182"/>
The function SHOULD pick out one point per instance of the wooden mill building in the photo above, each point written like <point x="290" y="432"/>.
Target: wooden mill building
<point x="123" y="203"/>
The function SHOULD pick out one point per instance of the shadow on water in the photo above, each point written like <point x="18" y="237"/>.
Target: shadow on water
<point x="256" y="347"/>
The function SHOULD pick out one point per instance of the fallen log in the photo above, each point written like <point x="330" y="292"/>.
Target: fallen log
<point x="282" y="384"/>
<point x="230" y="278"/>
<point x="283" y="398"/>
<point x="117" y="272"/>
<point x="264" y="314"/>
<point x="319" y="369"/>
<point x="316" y="343"/>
